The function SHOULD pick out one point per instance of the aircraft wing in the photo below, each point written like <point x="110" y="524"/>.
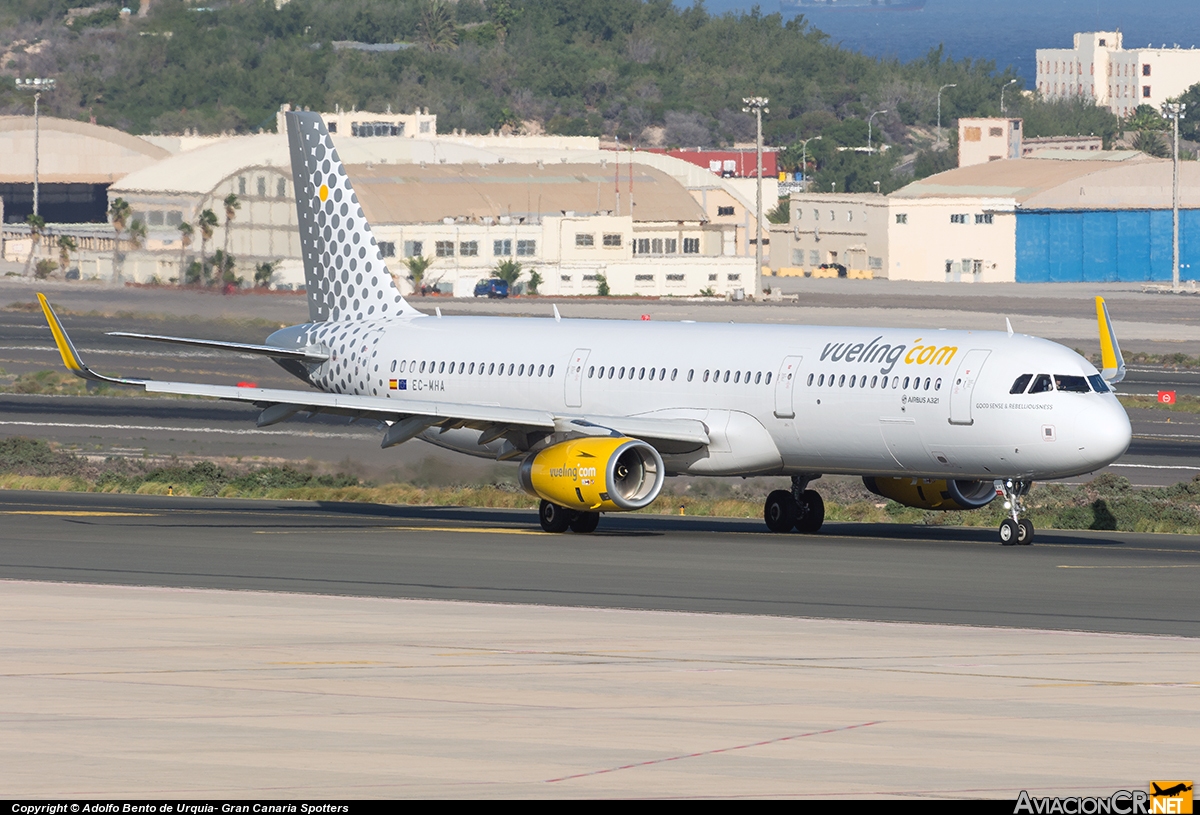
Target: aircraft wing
<point x="405" y="418"/>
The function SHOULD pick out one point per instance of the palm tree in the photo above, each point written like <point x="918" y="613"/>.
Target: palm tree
<point x="66" y="245"/>
<point x="1151" y="144"/>
<point x="436" y="29"/>
<point x="509" y="271"/>
<point x="263" y="273"/>
<point x="119" y="213"/>
<point x="137" y="234"/>
<point x="417" y="265"/>
<point x="232" y="205"/>
<point x="36" y="224"/>
<point x="185" y="240"/>
<point x="208" y="224"/>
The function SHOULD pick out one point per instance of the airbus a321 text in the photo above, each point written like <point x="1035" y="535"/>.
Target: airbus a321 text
<point x="599" y="412"/>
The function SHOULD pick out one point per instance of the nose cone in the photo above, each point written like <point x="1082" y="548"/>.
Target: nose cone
<point x="1107" y="434"/>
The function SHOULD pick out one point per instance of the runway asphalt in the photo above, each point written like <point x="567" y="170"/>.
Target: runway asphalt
<point x="1090" y="581"/>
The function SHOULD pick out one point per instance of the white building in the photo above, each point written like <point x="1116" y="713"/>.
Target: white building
<point x="1099" y="68"/>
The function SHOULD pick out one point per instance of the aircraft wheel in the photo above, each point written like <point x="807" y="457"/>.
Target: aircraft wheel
<point x="585" y="523"/>
<point x="780" y="511"/>
<point x="1025" y="532"/>
<point x="1009" y="530"/>
<point x="810" y="514"/>
<point x="553" y="517"/>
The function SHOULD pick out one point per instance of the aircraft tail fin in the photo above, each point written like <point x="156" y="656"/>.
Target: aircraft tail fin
<point x="1111" y="362"/>
<point x="344" y="270"/>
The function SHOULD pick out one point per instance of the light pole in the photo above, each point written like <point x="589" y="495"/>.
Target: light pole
<point x="1174" y="111"/>
<point x="758" y="105"/>
<point x="952" y="85"/>
<point x="804" y="158"/>
<point x="1002" y="90"/>
<point x="869" y="119"/>
<point x="37" y="86"/>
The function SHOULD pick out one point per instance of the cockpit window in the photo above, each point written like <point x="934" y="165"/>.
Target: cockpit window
<point x="1098" y="383"/>
<point x="1021" y="384"/>
<point x="1043" y="384"/>
<point x="1071" y="384"/>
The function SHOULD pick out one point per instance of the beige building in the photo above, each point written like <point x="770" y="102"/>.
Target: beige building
<point x="420" y="124"/>
<point x="961" y="225"/>
<point x="847" y="229"/>
<point x="1098" y="67"/>
<point x="984" y="140"/>
<point x="465" y="207"/>
<point x="557" y="219"/>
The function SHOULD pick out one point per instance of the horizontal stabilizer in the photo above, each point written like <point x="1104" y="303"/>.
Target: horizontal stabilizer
<point x="301" y="354"/>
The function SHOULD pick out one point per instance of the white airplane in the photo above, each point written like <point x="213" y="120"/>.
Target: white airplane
<point x="599" y="412"/>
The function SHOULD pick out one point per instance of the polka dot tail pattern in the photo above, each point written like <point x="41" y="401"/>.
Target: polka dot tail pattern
<point x="344" y="270"/>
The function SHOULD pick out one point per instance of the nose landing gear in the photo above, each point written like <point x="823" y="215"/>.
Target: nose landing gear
<point x="1016" y="530"/>
<point x="799" y="508"/>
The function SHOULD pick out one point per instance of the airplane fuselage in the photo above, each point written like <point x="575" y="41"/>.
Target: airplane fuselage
<point x="775" y="399"/>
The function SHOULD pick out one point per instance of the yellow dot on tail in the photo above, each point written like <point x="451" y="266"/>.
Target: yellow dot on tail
<point x="323" y="192"/>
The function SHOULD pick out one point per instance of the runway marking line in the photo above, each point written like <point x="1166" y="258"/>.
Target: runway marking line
<point x="1167" y="566"/>
<point x="73" y="513"/>
<point x="717" y="751"/>
<point x="467" y="529"/>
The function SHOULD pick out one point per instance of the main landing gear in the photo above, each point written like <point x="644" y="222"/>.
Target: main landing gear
<point x="1016" y="531"/>
<point x="799" y="508"/>
<point x="559" y="519"/>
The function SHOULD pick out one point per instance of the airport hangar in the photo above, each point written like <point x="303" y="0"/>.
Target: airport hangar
<point x="1059" y="216"/>
<point x="557" y="205"/>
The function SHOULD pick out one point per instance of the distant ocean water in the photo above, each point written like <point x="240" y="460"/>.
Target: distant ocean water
<point x="1008" y="32"/>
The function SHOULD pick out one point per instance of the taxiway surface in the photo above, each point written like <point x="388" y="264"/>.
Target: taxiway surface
<point x="1091" y="581"/>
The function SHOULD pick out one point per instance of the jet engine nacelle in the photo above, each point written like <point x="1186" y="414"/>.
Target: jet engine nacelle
<point x="595" y="474"/>
<point x="932" y="493"/>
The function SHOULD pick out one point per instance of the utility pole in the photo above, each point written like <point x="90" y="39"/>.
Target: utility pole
<point x="869" y="120"/>
<point x="1002" y="90"/>
<point x="37" y="86"/>
<point x="758" y="105"/>
<point x="953" y="85"/>
<point x="1175" y="111"/>
<point x="804" y="159"/>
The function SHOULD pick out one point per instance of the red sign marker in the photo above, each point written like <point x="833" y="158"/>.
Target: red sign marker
<point x="1166" y="397"/>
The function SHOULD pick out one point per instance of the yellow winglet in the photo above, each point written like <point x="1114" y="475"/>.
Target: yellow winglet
<point x="1112" y="364"/>
<point x="70" y="356"/>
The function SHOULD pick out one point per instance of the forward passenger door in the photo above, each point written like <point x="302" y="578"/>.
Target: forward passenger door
<point x="963" y="386"/>
<point x="574" y="393"/>
<point x="785" y="387"/>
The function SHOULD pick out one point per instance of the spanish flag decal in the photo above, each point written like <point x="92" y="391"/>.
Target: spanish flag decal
<point x="394" y="384"/>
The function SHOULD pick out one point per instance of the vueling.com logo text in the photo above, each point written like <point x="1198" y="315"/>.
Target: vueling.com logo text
<point x="889" y="355"/>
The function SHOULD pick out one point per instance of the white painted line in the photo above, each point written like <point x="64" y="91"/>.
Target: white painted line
<point x="246" y="432"/>
<point x="1156" y="466"/>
